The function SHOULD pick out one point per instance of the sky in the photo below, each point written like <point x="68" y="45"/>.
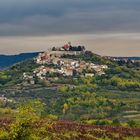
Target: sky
<point x="107" y="27"/>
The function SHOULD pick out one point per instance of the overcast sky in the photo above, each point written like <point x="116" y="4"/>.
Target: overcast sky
<point x="108" y="27"/>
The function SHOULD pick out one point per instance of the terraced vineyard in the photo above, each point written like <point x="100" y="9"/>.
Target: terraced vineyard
<point x="68" y="130"/>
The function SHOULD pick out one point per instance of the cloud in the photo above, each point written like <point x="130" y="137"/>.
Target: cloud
<point x="118" y="44"/>
<point x="51" y="17"/>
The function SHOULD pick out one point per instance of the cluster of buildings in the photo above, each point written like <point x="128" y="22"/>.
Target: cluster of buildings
<point x="50" y="57"/>
<point x="57" y="52"/>
<point x="52" y="62"/>
<point x="29" y="78"/>
<point x="124" y="59"/>
<point x="69" y="47"/>
<point x="3" y="99"/>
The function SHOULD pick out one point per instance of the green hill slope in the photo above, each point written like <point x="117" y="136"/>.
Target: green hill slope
<point x="114" y="95"/>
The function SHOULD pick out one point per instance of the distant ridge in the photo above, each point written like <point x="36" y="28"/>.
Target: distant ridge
<point x="8" y="60"/>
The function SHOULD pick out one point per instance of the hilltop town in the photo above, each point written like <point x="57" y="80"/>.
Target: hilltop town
<point x="75" y="84"/>
<point x="62" y="61"/>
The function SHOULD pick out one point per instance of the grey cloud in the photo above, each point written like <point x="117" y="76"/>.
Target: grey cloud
<point x="45" y="17"/>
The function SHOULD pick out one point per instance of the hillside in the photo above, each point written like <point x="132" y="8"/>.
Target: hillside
<point x="76" y="86"/>
<point x="8" y="60"/>
<point x="30" y="125"/>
